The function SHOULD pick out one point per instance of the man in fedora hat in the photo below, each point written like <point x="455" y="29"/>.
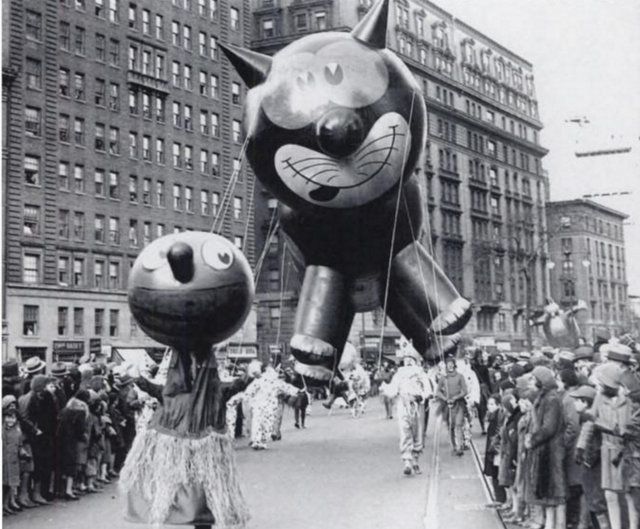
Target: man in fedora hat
<point x="32" y="367"/>
<point x="11" y="379"/>
<point x="412" y="387"/>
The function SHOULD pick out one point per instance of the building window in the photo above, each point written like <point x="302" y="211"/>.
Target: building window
<point x="204" y="202"/>
<point x="215" y="202"/>
<point x="160" y="109"/>
<point x="78" y="226"/>
<point x="98" y="228"/>
<point x="99" y="182"/>
<point x="300" y="21"/>
<point x="237" y="208"/>
<point x="188" y="117"/>
<point x="63" y="82"/>
<point x="204" y="161"/>
<point x="215" y="125"/>
<point x="213" y="86"/>
<point x="159" y="25"/>
<point x="78" y="86"/>
<point x="30" y="316"/>
<point x="236" y="131"/>
<point x="98" y="274"/>
<point x="160" y="194"/>
<point x="177" y="158"/>
<point x="99" y="139"/>
<point x="33" y="25"/>
<point x="146" y="148"/>
<point x="31" y="170"/>
<point x="114" y="315"/>
<point x="114" y="52"/>
<point x="100" y="92"/>
<point x="188" y="199"/>
<point x="234" y="18"/>
<point x="268" y="28"/>
<point x="188" y="83"/>
<point x="65" y="36"/>
<point x="146" y="233"/>
<point x="175" y="33"/>
<point x="33" y="72"/>
<point x="63" y="176"/>
<point x="114" y="185"/>
<point x="202" y="83"/>
<point x="133" y="232"/>
<point x="78" y="272"/>
<point x="133" y="145"/>
<point x="160" y="151"/>
<point x="215" y="164"/>
<point x="146" y="191"/>
<point x="177" y="197"/>
<point x="320" y="20"/>
<point x="146" y="21"/>
<point x="78" y="179"/>
<point x="114" y="230"/>
<point x="30" y="220"/>
<point x="32" y="121"/>
<point x="78" y="131"/>
<point x="114" y="276"/>
<point x="63" y="223"/>
<point x="31" y="268"/>
<point x="98" y="322"/>
<point x="186" y="37"/>
<point x="114" y="96"/>
<point x="213" y="48"/>
<point x="78" y="43"/>
<point x="235" y="93"/>
<point x="274" y="317"/>
<point x="133" y="188"/>
<point x="78" y="321"/>
<point x="63" y="270"/>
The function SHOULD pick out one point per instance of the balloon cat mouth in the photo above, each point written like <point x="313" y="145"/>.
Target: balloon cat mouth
<point x="374" y="168"/>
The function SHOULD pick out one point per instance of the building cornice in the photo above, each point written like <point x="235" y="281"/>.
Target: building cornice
<point x="551" y="205"/>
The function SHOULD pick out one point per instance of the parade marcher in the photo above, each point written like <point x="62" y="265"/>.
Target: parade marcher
<point x="452" y="391"/>
<point x="264" y="394"/>
<point x="383" y="376"/>
<point x="359" y="385"/>
<point x="492" y="448"/>
<point x="412" y="388"/>
<point x="546" y="442"/>
<point x="472" y="398"/>
<point x="301" y="401"/>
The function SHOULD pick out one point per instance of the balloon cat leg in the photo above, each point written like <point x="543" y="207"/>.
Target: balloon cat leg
<point x="422" y="300"/>
<point x="323" y="321"/>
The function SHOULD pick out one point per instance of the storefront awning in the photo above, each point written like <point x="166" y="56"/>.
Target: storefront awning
<point x="137" y="357"/>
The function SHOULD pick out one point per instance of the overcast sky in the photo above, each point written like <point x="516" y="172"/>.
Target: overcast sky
<point x="586" y="58"/>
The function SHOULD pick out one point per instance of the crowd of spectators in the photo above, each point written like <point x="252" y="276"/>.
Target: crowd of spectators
<point x="563" y="436"/>
<point x="66" y="432"/>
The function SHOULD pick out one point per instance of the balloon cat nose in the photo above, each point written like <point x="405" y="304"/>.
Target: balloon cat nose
<point x="340" y="132"/>
<point x="180" y="257"/>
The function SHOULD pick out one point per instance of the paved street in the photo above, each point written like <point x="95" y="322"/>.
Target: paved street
<point x="339" y="473"/>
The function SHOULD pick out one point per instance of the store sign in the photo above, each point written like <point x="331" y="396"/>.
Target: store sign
<point x="242" y="351"/>
<point x="68" y="346"/>
<point x="95" y="346"/>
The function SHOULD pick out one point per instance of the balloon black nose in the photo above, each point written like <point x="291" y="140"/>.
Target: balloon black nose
<point x="180" y="257"/>
<point x="340" y="132"/>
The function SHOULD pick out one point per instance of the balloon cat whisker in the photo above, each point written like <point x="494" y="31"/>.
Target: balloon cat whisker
<point x="393" y="134"/>
<point x="313" y="158"/>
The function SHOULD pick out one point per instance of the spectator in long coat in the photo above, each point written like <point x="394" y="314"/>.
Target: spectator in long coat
<point x="567" y="380"/>
<point x="492" y="450"/>
<point x="509" y="450"/>
<point x="11" y="446"/>
<point x="611" y="412"/>
<point x="546" y="442"/>
<point x="72" y="431"/>
<point x="42" y="411"/>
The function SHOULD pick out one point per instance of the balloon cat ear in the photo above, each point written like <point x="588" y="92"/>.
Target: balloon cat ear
<point x="372" y="29"/>
<point x="252" y="66"/>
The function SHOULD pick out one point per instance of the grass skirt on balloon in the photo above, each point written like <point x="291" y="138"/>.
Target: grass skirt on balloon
<point x="183" y="479"/>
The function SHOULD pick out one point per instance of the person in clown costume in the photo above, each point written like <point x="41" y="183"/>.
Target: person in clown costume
<point x="412" y="387"/>
<point x="264" y="395"/>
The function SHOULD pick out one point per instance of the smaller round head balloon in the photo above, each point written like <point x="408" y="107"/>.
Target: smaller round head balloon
<point x="334" y="121"/>
<point x="190" y="289"/>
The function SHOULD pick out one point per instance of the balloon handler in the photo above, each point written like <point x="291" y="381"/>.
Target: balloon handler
<point x="189" y="291"/>
<point x="335" y="129"/>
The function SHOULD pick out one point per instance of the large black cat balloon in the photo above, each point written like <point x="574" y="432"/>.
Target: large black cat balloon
<point x="335" y="125"/>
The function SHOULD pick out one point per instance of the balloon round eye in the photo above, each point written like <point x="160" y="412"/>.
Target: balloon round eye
<point x="306" y="80"/>
<point x="154" y="258"/>
<point x="217" y="255"/>
<point x="333" y="73"/>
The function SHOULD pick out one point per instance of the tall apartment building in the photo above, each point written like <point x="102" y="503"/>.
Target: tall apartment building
<point x="483" y="172"/>
<point x="123" y="124"/>
<point x="586" y="247"/>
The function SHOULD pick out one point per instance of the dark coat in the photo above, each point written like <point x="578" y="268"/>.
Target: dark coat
<point x="72" y="430"/>
<point x="42" y="410"/>
<point x="571" y="431"/>
<point x="11" y="444"/>
<point x="509" y="449"/>
<point x="494" y="420"/>
<point x="547" y="484"/>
